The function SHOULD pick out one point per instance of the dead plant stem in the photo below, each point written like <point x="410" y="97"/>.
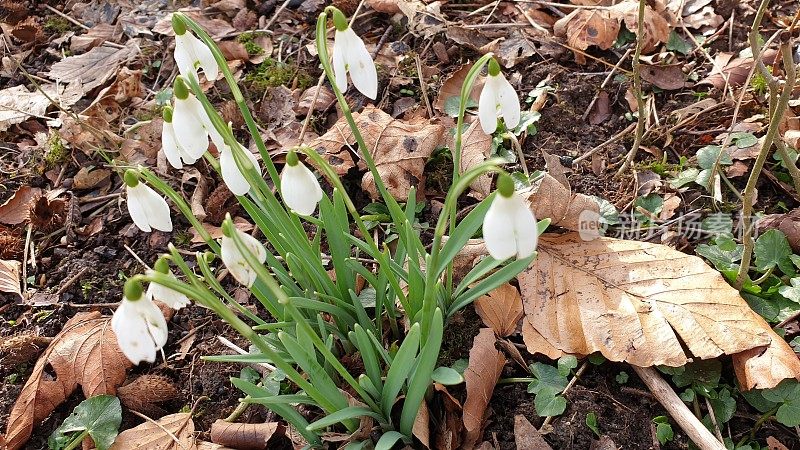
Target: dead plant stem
<point x="637" y="89"/>
<point x="774" y="121"/>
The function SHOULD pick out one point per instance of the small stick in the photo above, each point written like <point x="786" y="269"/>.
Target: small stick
<point x="71" y="281"/>
<point x="678" y="410"/>
<point x="611" y="140"/>
<point x="422" y="87"/>
<point x="604" y="84"/>
<point x="571" y="383"/>
<point x="66" y="17"/>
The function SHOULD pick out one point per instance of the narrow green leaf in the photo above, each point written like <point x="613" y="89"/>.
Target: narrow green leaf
<point x="343" y="415"/>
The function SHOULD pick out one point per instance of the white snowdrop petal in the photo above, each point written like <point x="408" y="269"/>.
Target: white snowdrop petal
<point x="206" y="59"/>
<point x="183" y="55"/>
<point x="187" y="121"/>
<point x="361" y="66"/>
<point x="157" y="209"/>
<point x="156" y="323"/>
<point x="136" y="208"/>
<point x="525" y="230"/>
<point x="300" y="189"/>
<point x="132" y="334"/>
<point x="509" y="102"/>
<point x="168" y="296"/>
<point x="231" y="174"/>
<point x="235" y="261"/>
<point x="170" y="146"/>
<point x="487" y="106"/>
<point x="498" y="230"/>
<point x="339" y="64"/>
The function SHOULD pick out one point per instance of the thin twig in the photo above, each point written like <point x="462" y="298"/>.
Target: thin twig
<point x="423" y="88"/>
<point x="604" y="84"/>
<point x="611" y="140"/>
<point x="571" y="383"/>
<point x="637" y="89"/>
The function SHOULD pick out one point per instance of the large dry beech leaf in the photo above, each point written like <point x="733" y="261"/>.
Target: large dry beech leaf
<point x="637" y="302"/>
<point x="400" y="149"/>
<point x="484" y="369"/>
<point x="765" y="367"/>
<point x="252" y="436"/>
<point x="501" y="309"/>
<point x="85" y="352"/>
<point x="172" y="432"/>
<point x="600" y="27"/>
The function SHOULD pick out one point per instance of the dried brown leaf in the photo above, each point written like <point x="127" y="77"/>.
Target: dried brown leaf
<point x="451" y="88"/>
<point x="143" y="393"/>
<point x="17" y="104"/>
<point x="216" y="28"/>
<point x="85" y="352"/>
<point x="667" y="76"/>
<point x="9" y="276"/>
<point x="400" y="149"/>
<point x="484" y="369"/>
<point x="788" y="223"/>
<point x="476" y="147"/>
<point x="245" y="436"/>
<point x="656" y="28"/>
<point x="585" y="27"/>
<point x="172" y="432"/>
<point x="572" y="211"/>
<point x="21" y="349"/>
<point x="775" y="444"/>
<point x="87" y="178"/>
<point x="501" y="309"/>
<point x="527" y="437"/>
<point x="633" y="301"/>
<point x="765" y="367"/>
<point x="94" y="67"/>
<point x="734" y="70"/>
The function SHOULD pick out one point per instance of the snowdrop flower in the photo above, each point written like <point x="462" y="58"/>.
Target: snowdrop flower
<point x="509" y="227"/>
<point x="498" y="99"/>
<point x="169" y="297"/>
<point x="299" y="187"/>
<point x="234" y="260"/>
<point x="351" y="55"/>
<point x="147" y="209"/>
<point x="139" y="325"/>
<point x="231" y="175"/>
<point x="173" y="150"/>
<point x="191" y="52"/>
<point x="190" y="122"/>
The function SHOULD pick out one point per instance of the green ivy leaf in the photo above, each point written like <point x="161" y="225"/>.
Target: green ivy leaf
<point x="100" y="416"/>
<point x="707" y="157"/>
<point x="566" y="363"/>
<point x="547" y="404"/>
<point x="447" y="376"/>
<point x="685" y="177"/>
<point x="548" y="380"/>
<point x="744" y="139"/>
<point x="591" y="422"/>
<point x="724" y="406"/>
<point x="791" y="292"/>
<point x="676" y="43"/>
<point x="664" y="431"/>
<point x="772" y="249"/>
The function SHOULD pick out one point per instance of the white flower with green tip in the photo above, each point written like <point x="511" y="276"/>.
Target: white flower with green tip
<point x="351" y="55"/>
<point x="299" y="187"/>
<point x="498" y="100"/>
<point x="509" y="227"/>
<point x="191" y="52"/>
<point x="139" y="325"/>
<point x="147" y="209"/>
<point x="234" y="260"/>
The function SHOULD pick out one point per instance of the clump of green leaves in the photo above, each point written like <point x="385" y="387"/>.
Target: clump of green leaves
<point x="248" y="40"/>
<point x="56" y="151"/>
<point x="273" y="73"/>
<point x="97" y="417"/>
<point x="548" y="383"/>
<point x="758" y="83"/>
<point x="56" y="24"/>
<point x="664" y="431"/>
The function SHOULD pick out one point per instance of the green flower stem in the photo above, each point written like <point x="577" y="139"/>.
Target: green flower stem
<point x="237" y="94"/>
<point x="429" y="299"/>
<point x="381" y="256"/>
<point x="77" y="440"/>
<point x="157" y="183"/>
<point x="466" y="90"/>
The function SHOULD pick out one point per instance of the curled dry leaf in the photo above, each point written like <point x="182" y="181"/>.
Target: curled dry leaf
<point x="572" y="211"/>
<point x="632" y="301"/>
<point x="94" y="67"/>
<point x="21" y="349"/>
<point x="485" y="367"/>
<point x="143" y="393"/>
<point x="400" y="149"/>
<point x="85" y="352"/>
<point x="656" y="27"/>
<point x="172" y="432"/>
<point x="87" y="178"/>
<point x="476" y="147"/>
<point x="16" y="209"/>
<point x="245" y="436"/>
<point x="451" y="89"/>
<point x="17" y="104"/>
<point x="734" y="71"/>
<point x="9" y="276"/>
<point x="765" y="367"/>
<point x="500" y="309"/>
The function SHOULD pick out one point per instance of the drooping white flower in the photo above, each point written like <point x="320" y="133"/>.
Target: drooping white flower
<point x="299" y="187"/>
<point x="168" y="296"/>
<point x="231" y="175"/>
<point x="351" y="55"/>
<point x="147" y="209"/>
<point x="509" y="227"/>
<point x="190" y="122"/>
<point x="139" y="325"/>
<point x="235" y="261"/>
<point x="191" y="52"/>
<point x="498" y="100"/>
<point x="173" y="150"/>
